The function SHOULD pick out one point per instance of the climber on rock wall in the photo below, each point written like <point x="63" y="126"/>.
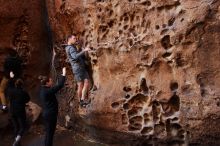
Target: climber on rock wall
<point x="50" y="104"/>
<point x="12" y="63"/>
<point x="18" y="98"/>
<point x="77" y="61"/>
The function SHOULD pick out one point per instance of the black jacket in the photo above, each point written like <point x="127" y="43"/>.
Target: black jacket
<point x="48" y="97"/>
<point x="18" y="98"/>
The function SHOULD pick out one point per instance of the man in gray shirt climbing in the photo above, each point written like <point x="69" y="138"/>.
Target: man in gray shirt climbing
<point x="77" y="61"/>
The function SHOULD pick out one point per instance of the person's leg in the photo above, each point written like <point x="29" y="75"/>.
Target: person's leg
<point x="3" y="100"/>
<point x="52" y="129"/>
<point x="3" y="86"/>
<point x="46" y="124"/>
<point x="79" y="90"/>
<point x="15" y="124"/>
<point x="85" y="89"/>
<point x="50" y="125"/>
<point x="17" y="128"/>
<point x="22" y="124"/>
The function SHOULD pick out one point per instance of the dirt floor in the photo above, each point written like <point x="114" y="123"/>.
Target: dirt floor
<point x="62" y="138"/>
<point x="34" y="136"/>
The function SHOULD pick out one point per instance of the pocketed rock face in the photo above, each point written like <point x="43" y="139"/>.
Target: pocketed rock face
<point x="155" y="65"/>
<point x="24" y="26"/>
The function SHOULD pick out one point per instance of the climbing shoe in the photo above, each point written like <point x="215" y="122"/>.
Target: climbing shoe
<point x="82" y="103"/>
<point x="87" y="101"/>
<point x="4" y="109"/>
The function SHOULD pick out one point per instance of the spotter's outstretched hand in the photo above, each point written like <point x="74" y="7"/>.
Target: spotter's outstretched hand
<point x="11" y="74"/>
<point x="64" y="71"/>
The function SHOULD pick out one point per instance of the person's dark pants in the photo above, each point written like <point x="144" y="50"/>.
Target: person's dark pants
<point x="19" y="122"/>
<point x="50" y="127"/>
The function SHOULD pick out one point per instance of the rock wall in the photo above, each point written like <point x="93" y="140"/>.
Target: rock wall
<point x="24" y="26"/>
<point x="155" y="65"/>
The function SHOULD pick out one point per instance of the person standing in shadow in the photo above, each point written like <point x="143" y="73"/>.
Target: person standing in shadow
<point x="50" y="104"/>
<point x="12" y="63"/>
<point x="18" y="98"/>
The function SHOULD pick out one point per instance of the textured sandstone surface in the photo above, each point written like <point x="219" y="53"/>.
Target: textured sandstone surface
<point x="154" y="65"/>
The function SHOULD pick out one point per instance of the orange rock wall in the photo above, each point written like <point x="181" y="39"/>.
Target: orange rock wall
<point x="155" y="64"/>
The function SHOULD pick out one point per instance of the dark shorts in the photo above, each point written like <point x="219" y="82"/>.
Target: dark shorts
<point x="81" y="76"/>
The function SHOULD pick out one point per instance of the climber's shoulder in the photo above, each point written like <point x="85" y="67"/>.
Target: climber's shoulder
<point x="70" y="48"/>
